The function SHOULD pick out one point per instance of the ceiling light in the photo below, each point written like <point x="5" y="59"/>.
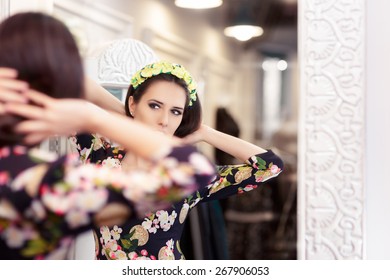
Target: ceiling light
<point x="243" y="24"/>
<point x="243" y="32"/>
<point x="282" y="65"/>
<point x="198" y="4"/>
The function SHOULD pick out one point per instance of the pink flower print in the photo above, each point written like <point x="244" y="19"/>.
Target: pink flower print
<point x="19" y="150"/>
<point x="116" y="232"/>
<point x="250" y="187"/>
<point x="133" y="255"/>
<point x="4" y="152"/>
<point x="106" y="234"/>
<point x="120" y="255"/>
<point x="259" y="179"/>
<point x="152" y="257"/>
<point x="166" y="220"/>
<point x="144" y="253"/>
<point x="274" y="169"/>
<point x="4" y="178"/>
<point x="150" y="226"/>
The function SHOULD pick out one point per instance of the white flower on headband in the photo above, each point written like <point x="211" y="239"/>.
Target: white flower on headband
<point x="157" y="68"/>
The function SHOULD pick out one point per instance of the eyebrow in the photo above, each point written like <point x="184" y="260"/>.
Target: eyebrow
<point x="161" y="103"/>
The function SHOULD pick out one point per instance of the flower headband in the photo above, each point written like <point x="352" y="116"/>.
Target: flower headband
<point x="157" y="68"/>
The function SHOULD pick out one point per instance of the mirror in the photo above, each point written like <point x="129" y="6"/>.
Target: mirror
<point x="252" y="81"/>
<point x="245" y="79"/>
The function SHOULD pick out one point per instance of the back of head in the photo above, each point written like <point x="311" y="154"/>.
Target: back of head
<point x="45" y="54"/>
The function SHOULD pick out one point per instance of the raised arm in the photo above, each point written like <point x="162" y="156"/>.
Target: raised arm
<point x="258" y="165"/>
<point x="99" y="96"/>
<point x="48" y="119"/>
<point x="234" y="146"/>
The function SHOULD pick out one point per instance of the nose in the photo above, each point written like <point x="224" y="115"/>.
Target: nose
<point x="164" y="119"/>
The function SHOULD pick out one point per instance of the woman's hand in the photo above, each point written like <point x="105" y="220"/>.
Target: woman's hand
<point x="197" y="136"/>
<point x="236" y="147"/>
<point x="49" y="116"/>
<point x="11" y="89"/>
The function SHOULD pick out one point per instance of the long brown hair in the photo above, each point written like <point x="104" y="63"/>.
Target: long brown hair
<point x="45" y="54"/>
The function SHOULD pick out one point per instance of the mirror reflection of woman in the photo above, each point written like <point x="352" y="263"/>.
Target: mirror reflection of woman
<point x="163" y="95"/>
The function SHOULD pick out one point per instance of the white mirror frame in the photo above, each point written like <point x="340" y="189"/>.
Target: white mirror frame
<point x="331" y="203"/>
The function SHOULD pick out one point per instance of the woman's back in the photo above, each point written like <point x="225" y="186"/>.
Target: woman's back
<point x="44" y="200"/>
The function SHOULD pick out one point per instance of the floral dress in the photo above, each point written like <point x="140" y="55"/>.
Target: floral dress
<point x="45" y="200"/>
<point x="156" y="235"/>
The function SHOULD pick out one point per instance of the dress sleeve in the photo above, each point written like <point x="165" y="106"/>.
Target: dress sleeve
<point x="237" y="179"/>
<point x="94" y="148"/>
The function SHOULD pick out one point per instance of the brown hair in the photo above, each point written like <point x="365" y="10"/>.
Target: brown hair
<point x="192" y="115"/>
<point x="45" y="54"/>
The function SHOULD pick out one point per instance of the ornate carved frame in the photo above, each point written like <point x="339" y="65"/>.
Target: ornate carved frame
<point x="332" y="129"/>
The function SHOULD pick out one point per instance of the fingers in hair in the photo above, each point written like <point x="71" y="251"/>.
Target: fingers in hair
<point x="8" y="72"/>
<point x="30" y="127"/>
<point x="23" y="110"/>
<point x="38" y="97"/>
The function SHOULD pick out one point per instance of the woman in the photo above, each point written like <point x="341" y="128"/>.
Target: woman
<point x="44" y="200"/>
<point x="163" y="96"/>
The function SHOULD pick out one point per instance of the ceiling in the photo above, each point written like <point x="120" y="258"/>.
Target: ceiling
<point x="278" y="18"/>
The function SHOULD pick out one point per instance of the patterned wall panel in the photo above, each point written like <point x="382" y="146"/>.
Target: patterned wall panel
<point x="331" y="201"/>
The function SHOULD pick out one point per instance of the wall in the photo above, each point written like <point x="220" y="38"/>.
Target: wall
<point x="378" y="130"/>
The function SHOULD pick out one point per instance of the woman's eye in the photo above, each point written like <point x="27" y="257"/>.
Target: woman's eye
<point x="154" y="105"/>
<point x="176" y="112"/>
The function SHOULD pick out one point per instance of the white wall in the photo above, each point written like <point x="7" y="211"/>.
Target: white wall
<point x="378" y="130"/>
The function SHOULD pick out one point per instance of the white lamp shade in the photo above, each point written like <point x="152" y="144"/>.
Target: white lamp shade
<point x="243" y="32"/>
<point x="198" y="4"/>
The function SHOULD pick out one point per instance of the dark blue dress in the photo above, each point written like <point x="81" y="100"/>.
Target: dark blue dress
<point x="157" y="234"/>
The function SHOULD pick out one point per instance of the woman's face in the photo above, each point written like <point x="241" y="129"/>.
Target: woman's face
<point x="161" y="106"/>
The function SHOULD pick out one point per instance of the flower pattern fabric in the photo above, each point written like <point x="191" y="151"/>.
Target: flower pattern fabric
<point x="45" y="201"/>
<point x="156" y="236"/>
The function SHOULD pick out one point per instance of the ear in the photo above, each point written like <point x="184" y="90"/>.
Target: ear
<point x="131" y="105"/>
